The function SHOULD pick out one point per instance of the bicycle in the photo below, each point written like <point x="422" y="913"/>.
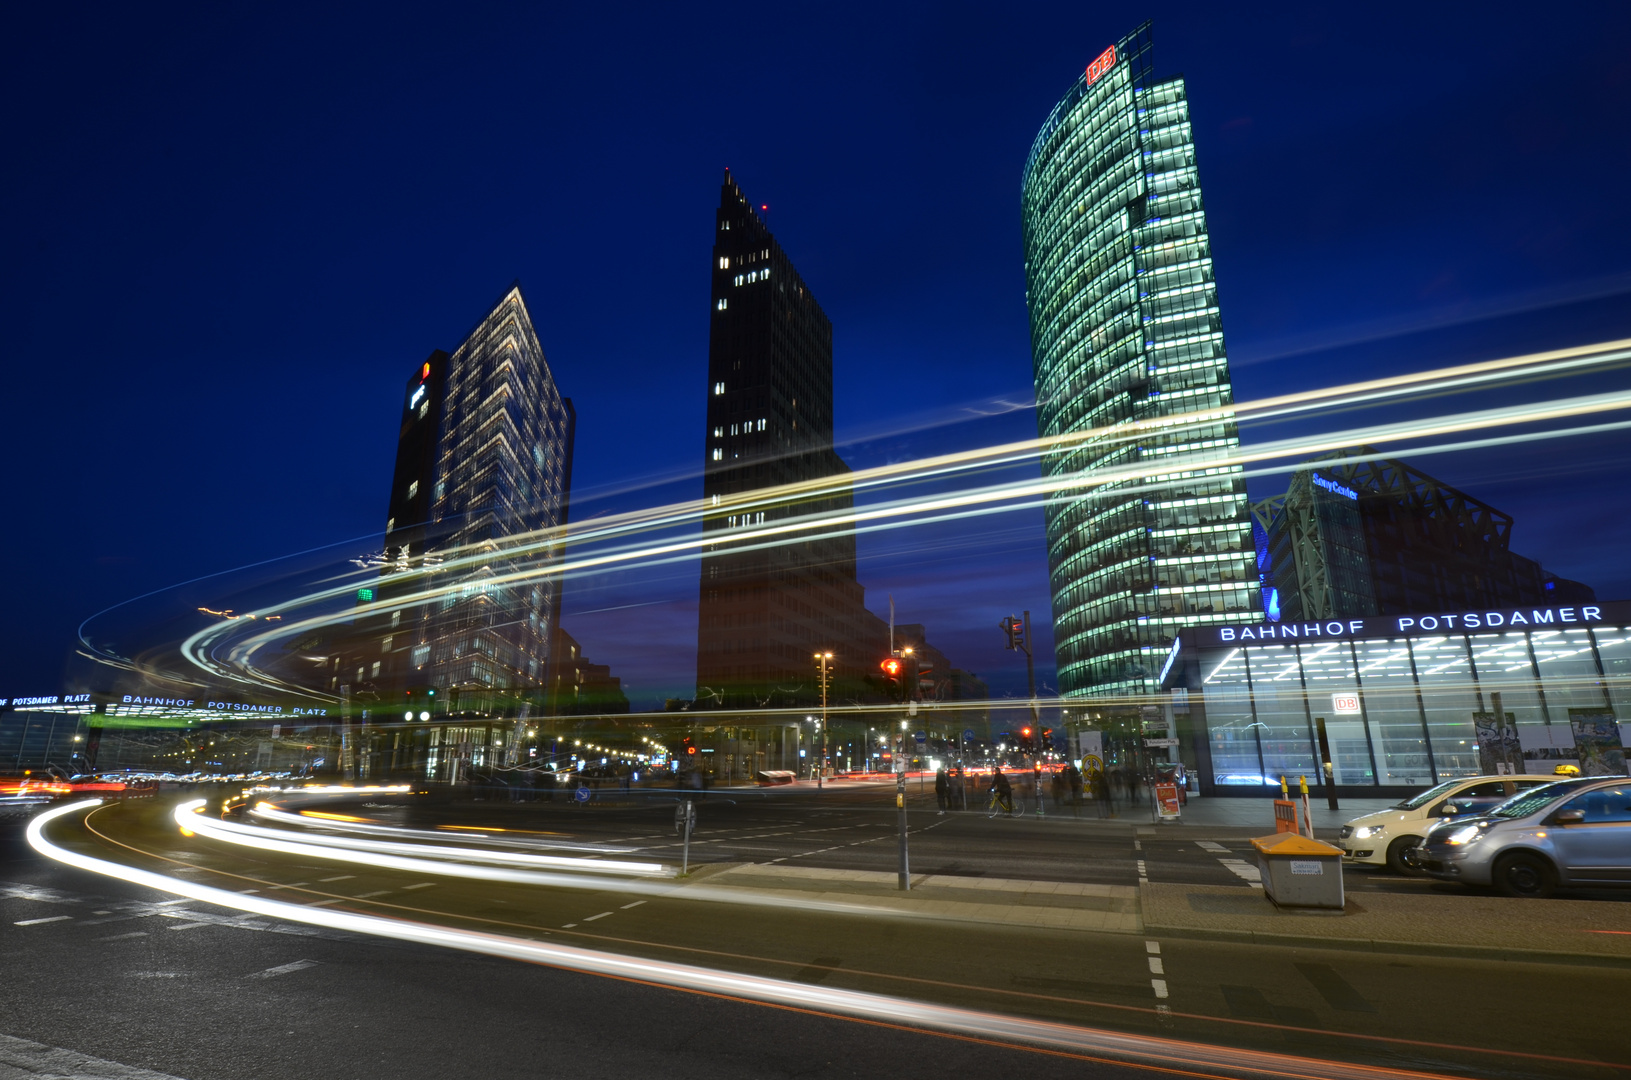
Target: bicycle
<point x="999" y="803"/>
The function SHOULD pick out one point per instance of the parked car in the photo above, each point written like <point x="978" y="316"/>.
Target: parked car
<point x="1569" y="834"/>
<point x="1392" y="837"/>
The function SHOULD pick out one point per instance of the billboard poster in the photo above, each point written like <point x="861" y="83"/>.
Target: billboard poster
<point x="1167" y="805"/>
<point x="1597" y="742"/>
<point x="1546" y="746"/>
<point x="1499" y="751"/>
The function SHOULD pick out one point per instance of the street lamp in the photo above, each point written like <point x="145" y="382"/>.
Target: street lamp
<point x="824" y="665"/>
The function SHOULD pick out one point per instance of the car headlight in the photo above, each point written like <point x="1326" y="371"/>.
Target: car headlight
<point x="1369" y="832"/>
<point x="1464" y="835"/>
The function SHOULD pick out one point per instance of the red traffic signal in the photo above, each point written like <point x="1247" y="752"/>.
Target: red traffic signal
<point x="1025" y="732"/>
<point x="891" y="667"/>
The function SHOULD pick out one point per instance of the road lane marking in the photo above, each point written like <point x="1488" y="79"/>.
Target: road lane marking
<point x="1153" y="948"/>
<point x="421" y="885"/>
<point x="322" y="903"/>
<point x="124" y="937"/>
<point x="569" y="926"/>
<point x="1208" y="845"/>
<point x="37" y="922"/>
<point x="341" y="877"/>
<point x="1156" y="967"/>
<point x="1243" y="869"/>
<point x="602" y="915"/>
<point x="370" y="895"/>
<point x="172" y="903"/>
<point x="282" y="969"/>
<point x="637" y="903"/>
<point x="1160" y="988"/>
<point x="192" y="925"/>
<point x="101" y="913"/>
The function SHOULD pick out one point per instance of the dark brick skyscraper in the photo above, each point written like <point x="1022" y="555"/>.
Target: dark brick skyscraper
<point x="765" y="612"/>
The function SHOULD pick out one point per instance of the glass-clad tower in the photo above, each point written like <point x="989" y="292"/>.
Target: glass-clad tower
<point x="1132" y="377"/>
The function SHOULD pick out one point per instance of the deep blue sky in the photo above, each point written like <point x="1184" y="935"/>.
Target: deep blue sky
<point x="230" y="231"/>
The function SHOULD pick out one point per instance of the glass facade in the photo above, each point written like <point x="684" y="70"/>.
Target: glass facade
<point x="1409" y="711"/>
<point x="1148" y="531"/>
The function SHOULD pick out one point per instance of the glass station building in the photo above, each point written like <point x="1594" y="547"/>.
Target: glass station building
<point x="1406" y="701"/>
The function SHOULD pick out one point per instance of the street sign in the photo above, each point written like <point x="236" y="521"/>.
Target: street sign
<point x="583" y="794"/>
<point x="919" y="736"/>
<point x="1160" y="742"/>
<point x="968" y="734"/>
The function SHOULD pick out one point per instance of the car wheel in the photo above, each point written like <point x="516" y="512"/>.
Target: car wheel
<point x="1524" y="875"/>
<point x="1404" y="856"/>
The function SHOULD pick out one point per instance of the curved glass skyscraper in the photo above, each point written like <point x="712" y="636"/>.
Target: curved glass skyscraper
<point x="1149" y="530"/>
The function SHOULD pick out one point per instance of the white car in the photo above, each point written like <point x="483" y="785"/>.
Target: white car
<point x="1390" y="837"/>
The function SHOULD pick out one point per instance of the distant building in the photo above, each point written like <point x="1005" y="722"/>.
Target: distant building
<point x="579" y="688"/>
<point x="937" y="681"/>
<point x="484" y="463"/>
<point x="1374" y="536"/>
<point x="1126" y="330"/>
<point x="765" y="611"/>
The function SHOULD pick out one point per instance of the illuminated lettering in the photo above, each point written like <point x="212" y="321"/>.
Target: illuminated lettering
<point x="1288" y="631"/>
<point x="1333" y="486"/>
<point x="1494" y="618"/>
<point x="1226" y="634"/>
<point x="1101" y="64"/>
<point x="1311" y="629"/>
<point x="1517" y="617"/>
<point x="1543" y="616"/>
<point x="1470" y="620"/>
<point x="1425" y="619"/>
<point x="1356" y="626"/>
<point x="1592" y="614"/>
<point x="1405" y="624"/>
<point x="1566" y="614"/>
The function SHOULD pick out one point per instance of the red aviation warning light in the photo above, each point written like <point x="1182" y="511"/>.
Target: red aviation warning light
<point x="1101" y="64"/>
<point x="424" y="372"/>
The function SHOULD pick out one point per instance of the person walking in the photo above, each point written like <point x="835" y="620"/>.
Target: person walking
<point x="942" y="789"/>
<point x="959" y="796"/>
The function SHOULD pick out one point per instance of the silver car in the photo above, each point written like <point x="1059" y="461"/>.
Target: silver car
<point x="1571" y="834"/>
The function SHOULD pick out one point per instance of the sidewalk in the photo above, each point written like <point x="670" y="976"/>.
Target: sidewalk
<point x="1043" y="904"/>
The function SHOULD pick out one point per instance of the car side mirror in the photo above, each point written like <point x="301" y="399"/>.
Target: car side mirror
<point x="1449" y="809"/>
<point x="1569" y="817"/>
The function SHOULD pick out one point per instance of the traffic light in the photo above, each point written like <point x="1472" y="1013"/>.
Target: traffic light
<point x="1025" y="739"/>
<point x="1047" y="739"/>
<point x="687" y="748"/>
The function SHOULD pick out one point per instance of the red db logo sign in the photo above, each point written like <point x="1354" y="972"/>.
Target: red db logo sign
<point x="1102" y="63"/>
<point x="1342" y="704"/>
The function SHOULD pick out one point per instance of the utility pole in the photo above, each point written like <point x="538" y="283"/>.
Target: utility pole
<point x="904" y="877"/>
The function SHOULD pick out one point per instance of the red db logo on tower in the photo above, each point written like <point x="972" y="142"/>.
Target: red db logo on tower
<point x="1102" y="63"/>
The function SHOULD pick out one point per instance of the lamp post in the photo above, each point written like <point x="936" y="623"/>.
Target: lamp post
<point x="824" y="665"/>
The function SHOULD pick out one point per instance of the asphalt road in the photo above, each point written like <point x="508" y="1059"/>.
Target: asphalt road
<point x="193" y="991"/>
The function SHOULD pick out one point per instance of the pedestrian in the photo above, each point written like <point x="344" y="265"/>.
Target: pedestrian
<point x="942" y="789"/>
<point x="1060" y="786"/>
<point x="1073" y="776"/>
<point x="959" y="796"/>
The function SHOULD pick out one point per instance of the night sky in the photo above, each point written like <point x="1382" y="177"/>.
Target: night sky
<point x="231" y="232"/>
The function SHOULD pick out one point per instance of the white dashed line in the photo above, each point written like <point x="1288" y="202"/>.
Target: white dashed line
<point x="191" y="925"/>
<point x="1153" y="948"/>
<point x="370" y="895"/>
<point x="421" y="885"/>
<point x="569" y="926"/>
<point x="325" y="903"/>
<point x="1160" y="988"/>
<point x="637" y="903"/>
<point x="602" y="915"/>
<point x="37" y="922"/>
<point x="1155" y="966"/>
<point x="1208" y="845"/>
<point x="342" y="877"/>
<point x="285" y="969"/>
<point x="124" y="937"/>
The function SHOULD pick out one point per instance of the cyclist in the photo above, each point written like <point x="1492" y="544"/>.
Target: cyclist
<point x="1002" y="793"/>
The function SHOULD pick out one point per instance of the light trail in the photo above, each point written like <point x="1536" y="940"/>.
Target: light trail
<point x="1168" y="1055"/>
<point x="902" y="513"/>
<point x="228" y="650"/>
<point x="271" y="813"/>
<point x="232" y="832"/>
